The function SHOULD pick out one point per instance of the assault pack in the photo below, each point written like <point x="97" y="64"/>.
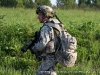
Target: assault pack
<point x="65" y="53"/>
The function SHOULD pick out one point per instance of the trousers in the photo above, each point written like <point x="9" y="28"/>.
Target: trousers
<point x="47" y="66"/>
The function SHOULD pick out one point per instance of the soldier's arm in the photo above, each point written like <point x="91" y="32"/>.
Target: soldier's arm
<point x="44" y="39"/>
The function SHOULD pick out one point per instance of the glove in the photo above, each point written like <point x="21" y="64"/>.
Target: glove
<point x="32" y="51"/>
<point x="26" y="47"/>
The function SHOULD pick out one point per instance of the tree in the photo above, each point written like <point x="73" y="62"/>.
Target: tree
<point x="20" y="3"/>
<point x="70" y="3"/>
<point x="80" y="2"/>
<point x="58" y="2"/>
<point x="66" y="4"/>
<point x="88" y="2"/>
<point x="8" y="3"/>
<point x="28" y="3"/>
<point x="43" y="2"/>
<point x="96" y="3"/>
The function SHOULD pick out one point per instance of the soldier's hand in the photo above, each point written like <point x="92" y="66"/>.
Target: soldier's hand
<point x="24" y="49"/>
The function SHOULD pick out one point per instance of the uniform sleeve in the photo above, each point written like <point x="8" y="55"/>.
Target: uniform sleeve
<point x="44" y="39"/>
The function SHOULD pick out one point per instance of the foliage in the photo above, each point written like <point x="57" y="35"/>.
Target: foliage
<point x="23" y="3"/>
<point x="65" y="4"/>
<point x="8" y="3"/>
<point x="17" y="26"/>
<point x="91" y="3"/>
<point x="19" y="3"/>
<point x="62" y="4"/>
<point x="28" y="3"/>
<point x="43" y="2"/>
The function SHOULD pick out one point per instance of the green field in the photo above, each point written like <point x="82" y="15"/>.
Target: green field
<point x="17" y="26"/>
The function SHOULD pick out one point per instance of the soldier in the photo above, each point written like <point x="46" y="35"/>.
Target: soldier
<point x="47" y="43"/>
<point x="53" y="43"/>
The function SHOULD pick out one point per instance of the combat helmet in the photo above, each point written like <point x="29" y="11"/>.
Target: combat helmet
<point x="45" y="10"/>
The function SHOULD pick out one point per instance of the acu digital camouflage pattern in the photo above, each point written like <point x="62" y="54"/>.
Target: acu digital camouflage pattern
<point x="47" y="66"/>
<point x="52" y="49"/>
<point x="65" y="53"/>
<point x="46" y="45"/>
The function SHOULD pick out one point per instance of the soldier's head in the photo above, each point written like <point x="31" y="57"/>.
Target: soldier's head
<point x="44" y="13"/>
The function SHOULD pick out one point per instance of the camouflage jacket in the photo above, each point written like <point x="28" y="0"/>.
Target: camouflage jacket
<point x="47" y="34"/>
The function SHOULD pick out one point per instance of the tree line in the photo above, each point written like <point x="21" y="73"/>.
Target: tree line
<point x="89" y="3"/>
<point x="63" y="4"/>
<point x="78" y="4"/>
<point x="23" y="3"/>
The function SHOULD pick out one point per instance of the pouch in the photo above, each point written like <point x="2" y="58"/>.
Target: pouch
<point x="50" y="47"/>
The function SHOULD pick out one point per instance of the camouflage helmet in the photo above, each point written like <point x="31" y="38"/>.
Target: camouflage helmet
<point x="45" y="10"/>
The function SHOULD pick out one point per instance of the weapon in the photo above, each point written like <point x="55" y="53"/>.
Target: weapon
<point x="30" y="44"/>
<point x="27" y="46"/>
<point x="57" y="18"/>
<point x="61" y="24"/>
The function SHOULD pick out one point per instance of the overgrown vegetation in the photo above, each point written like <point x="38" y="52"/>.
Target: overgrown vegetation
<point x="17" y="26"/>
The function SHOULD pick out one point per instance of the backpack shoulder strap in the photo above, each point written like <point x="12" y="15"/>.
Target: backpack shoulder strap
<point x="56" y="31"/>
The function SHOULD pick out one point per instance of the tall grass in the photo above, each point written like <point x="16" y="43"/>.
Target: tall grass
<point x="17" y="26"/>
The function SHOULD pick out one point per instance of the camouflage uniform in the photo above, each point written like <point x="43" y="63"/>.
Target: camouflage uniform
<point x="49" y="44"/>
<point x="54" y="43"/>
<point x="47" y="66"/>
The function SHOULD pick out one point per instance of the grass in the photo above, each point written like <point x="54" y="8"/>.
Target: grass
<point x="17" y="26"/>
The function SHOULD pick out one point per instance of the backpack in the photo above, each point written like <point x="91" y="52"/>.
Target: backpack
<point x="65" y="53"/>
